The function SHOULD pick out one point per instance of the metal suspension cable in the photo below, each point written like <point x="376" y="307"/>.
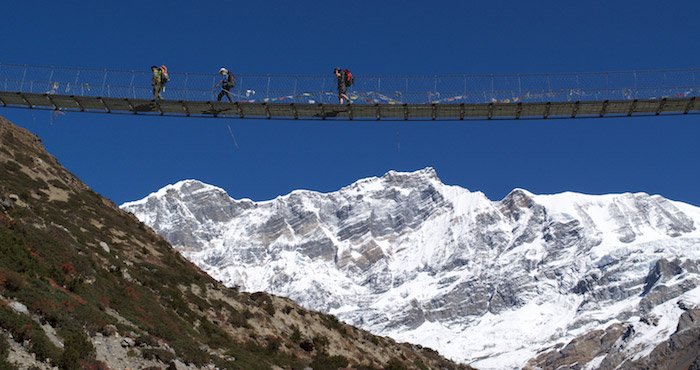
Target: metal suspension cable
<point x="368" y="89"/>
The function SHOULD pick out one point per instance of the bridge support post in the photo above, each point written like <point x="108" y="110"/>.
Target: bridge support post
<point x="213" y="111"/>
<point x="633" y="106"/>
<point x="185" y="108"/>
<point x="603" y="109"/>
<point x="267" y="110"/>
<point x="295" y="113"/>
<point x="26" y="100"/>
<point x="131" y="106"/>
<point x="50" y="98"/>
<point x="323" y="111"/>
<point x="690" y="104"/>
<point x="574" y="111"/>
<point x="105" y="105"/>
<point x="662" y="103"/>
<point x="75" y="99"/>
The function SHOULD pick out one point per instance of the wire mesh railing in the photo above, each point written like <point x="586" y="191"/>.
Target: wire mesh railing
<point x="439" y="89"/>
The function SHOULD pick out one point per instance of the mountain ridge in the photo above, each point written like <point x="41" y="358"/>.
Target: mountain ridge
<point x="407" y="256"/>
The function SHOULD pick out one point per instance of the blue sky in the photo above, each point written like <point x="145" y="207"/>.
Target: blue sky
<point x="125" y="157"/>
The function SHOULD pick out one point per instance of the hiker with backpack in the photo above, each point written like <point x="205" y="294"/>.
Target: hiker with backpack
<point x="158" y="80"/>
<point x="227" y="83"/>
<point x="345" y="80"/>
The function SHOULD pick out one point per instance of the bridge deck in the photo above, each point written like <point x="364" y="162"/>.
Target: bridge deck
<point x="525" y="110"/>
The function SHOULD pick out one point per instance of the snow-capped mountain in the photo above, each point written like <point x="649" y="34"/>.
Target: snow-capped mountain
<point x="529" y="280"/>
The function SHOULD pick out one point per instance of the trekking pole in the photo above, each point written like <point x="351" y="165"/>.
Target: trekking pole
<point x="230" y="94"/>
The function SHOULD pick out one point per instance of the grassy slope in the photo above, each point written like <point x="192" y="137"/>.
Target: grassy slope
<point x="53" y="233"/>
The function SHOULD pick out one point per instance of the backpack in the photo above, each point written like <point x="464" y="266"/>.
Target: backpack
<point x="231" y="80"/>
<point x="349" y="79"/>
<point x="164" y="74"/>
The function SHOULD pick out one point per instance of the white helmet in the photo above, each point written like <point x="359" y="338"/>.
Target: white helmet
<point x="223" y="70"/>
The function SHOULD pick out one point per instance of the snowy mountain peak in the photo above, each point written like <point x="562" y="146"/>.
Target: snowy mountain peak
<point x="407" y="256"/>
<point x="396" y="180"/>
<point x="426" y="174"/>
<point x="181" y="189"/>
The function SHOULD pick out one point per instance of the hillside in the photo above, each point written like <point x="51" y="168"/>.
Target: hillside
<point x="528" y="280"/>
<point x="86" y="285"/>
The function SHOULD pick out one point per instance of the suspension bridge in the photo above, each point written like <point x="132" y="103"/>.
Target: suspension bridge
<point x="426" y="97"/>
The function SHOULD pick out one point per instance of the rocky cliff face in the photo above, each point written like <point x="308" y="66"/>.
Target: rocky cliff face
<point x="536" y="280"/>
<point x="84" y="285"/>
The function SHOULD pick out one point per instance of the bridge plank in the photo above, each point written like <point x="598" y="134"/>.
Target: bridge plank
<point x="494" y="110"/>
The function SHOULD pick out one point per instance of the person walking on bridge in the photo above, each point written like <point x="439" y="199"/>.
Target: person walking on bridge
<point x="345" y="80"/>
<point x="227" y="83"/>
<point x="341" y="76"/>
<point x="157" y="82"/>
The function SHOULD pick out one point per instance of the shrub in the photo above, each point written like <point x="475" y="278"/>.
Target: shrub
<point x="395" y="364"/>
<point x="132" y="293"/>
<point x="4" y="351"/>
<point x="320" y="342"/>
<point x="158" y="354"/>
<point x="190" y="354"/>
<point x="331" y="322"/>
<point x="420" y="365"/>
<point x="4" y="346"/>
<point x="264" y="301"/>
<point x="230" y="363"/>
<point x="201" y="303"/>
<point x="296" y="334"/>
<point x="239" y="319"/>
<point x="13" y="281"/>
<point x="324" y="362"/>
<point x="24" y="159"/>
<point x="273" y="344"/>
<point x="307" y="346"/>
<point x="74" y="283"/>
<point x="12" y="166"/>
<point x="93" y="365"/>
<point x="68" y="268"/>
<point x="77" y="347"/>
<point x="214" y="336"/>
<point x="146" y="341"/>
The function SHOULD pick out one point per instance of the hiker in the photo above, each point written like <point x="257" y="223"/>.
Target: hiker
<point x="345" y="79"/>
<point x="164" y="76"/>
<point x="157" y="82"/>
<point x="227" y="83"/>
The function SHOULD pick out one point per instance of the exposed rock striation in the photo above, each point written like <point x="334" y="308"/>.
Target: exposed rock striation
<point x="493" y="283"/>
